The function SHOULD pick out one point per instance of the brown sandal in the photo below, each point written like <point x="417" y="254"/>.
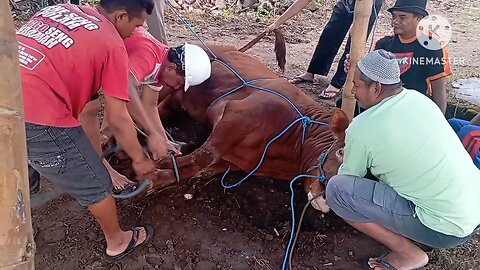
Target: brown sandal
<point x="298" y="79"/>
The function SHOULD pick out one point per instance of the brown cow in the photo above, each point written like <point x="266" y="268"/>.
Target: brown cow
<point x="243" y="122"/>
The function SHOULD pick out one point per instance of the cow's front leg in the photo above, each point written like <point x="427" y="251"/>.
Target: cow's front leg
<point x="162" y="178"/>
<point x="203" y="162"/>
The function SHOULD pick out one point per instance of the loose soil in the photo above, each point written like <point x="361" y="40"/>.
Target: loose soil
<point x="247" y="227"/>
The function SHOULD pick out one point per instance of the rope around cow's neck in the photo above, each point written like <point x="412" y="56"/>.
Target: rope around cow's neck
<point x="305" y="121"/>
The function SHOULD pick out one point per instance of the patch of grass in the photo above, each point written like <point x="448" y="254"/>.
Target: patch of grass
<point x="263" y="13"/>
<point x="228" y="13"/>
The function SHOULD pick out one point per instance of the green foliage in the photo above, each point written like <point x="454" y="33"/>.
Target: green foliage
<point x="263" y="13"/>
<point x="228" y="13"/>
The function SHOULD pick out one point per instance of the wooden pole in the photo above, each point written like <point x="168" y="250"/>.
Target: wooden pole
<point x="17" y="247"/>
<point x="363" y="10"/>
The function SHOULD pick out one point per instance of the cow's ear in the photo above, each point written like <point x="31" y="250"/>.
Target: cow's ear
<point x="338" y="124"/>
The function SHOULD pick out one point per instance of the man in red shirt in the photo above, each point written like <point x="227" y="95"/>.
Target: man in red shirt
<point x="159" y="71"/>
<point x="67" y="53"/>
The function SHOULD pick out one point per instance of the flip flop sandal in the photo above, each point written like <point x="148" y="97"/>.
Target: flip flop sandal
<point x="324" y="94"/>
<point x="132" y="244"/>
<point x="381" y="260"/>
<point x="298" y="79"/>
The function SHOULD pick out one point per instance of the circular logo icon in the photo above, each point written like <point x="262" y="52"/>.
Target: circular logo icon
<point x="434" y="32"/>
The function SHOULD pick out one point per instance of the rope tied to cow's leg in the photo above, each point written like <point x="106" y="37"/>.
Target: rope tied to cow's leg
<point x="174" y="164"/>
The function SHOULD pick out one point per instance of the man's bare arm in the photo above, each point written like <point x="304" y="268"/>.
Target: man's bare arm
<point x="439" y="93"/>
<point x="135" y="107"/>
<point x="150" y="103"/>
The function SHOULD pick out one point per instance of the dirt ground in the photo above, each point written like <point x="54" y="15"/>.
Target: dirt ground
<point x="247" y="227"/>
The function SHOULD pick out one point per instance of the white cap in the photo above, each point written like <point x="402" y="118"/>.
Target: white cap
<point x="197" y="65"/>
<point x="380" y="66"/>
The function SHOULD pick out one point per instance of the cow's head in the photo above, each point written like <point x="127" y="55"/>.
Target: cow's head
<point x="338" y="124"/>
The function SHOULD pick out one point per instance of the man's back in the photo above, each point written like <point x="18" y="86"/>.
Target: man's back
<point x="67" y="53"/>
<point x="409" y="146"/>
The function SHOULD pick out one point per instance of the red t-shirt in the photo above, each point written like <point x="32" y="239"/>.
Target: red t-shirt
<point x="147" y="57"/>
<point x="67" y="53"/>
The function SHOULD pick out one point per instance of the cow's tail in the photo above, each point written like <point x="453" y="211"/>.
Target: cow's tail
<point x="280" y="47"/>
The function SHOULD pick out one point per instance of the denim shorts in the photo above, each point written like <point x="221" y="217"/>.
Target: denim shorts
<point x="362" y="200"/>
<point x="66" y="157"/>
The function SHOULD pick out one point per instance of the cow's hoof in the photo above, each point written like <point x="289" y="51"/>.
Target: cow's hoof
<point x="319" y="202"/>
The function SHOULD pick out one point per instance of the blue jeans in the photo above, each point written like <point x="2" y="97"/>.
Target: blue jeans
<point x="66" y="157"/>
<point x="362" y="200"/>
<point x="469" y="135"/>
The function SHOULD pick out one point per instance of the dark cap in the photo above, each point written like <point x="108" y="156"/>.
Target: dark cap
<point x="410" y="6"/>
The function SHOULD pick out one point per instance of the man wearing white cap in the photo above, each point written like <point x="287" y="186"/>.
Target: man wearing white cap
<point x="159" y="71"/>
<point x="428" y="186"/>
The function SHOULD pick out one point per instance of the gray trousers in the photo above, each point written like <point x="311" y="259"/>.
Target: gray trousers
<point x="363" y="200"/>
<point x="155" y="22"/>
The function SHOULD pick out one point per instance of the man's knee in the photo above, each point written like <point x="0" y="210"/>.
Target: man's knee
<point x="338" y="186"/>
<point x="457" y="124"/>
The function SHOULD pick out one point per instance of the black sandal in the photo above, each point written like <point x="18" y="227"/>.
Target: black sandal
<point x="133" y="242"/>
<point x="381" y="260"/>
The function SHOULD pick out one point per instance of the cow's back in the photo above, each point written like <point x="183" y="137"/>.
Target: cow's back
<point x="224" y="79"/>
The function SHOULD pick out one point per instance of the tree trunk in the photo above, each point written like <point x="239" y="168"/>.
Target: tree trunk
<point x="363" y="10"/>
<point x="17" y="247"/>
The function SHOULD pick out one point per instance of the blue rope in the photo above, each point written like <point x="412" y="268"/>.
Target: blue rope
<point x="262" y="158"/>
<point x="232" y="70"/>
<point x="189" y="27"/>
<point x="347" y="6"/>
<point x="305" y="120"/>
<point x="292" y="232"/>
<point x="247" y="83"/>
<point x="350" y="10"/>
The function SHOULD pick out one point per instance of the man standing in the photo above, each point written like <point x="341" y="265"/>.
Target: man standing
<point x="422" y="68"/>
<point x="428" y="186"/>
<point x="156" y="21"/>
<point x="60" y="73"/>
<point x="329" y="43"/>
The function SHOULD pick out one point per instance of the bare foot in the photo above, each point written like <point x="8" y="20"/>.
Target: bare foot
<point x="119" y="181"/>
<point x="413" y="259"/>
<point x="113" y="250"/>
